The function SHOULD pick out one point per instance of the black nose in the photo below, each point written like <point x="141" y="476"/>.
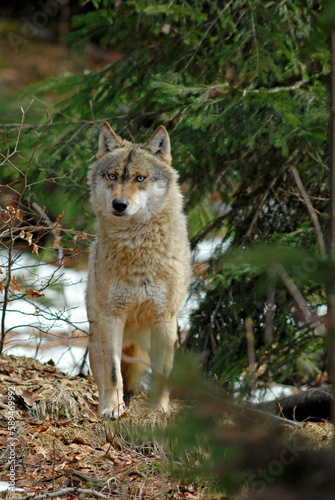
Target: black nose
<point x="119" y="205"/>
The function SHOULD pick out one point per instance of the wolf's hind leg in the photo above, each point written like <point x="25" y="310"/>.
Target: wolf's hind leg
<point x="133" y="365"/>
<point x="163" y="338"/>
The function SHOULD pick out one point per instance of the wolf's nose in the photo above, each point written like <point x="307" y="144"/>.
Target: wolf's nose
<point x="119" y="205"/>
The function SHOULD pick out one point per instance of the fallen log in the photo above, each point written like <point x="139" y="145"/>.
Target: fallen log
<point x="312" y="405"/>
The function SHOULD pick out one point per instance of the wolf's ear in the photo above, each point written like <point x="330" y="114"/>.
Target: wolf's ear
<point x="159" y="144"/>
<point x="108" y="140"/>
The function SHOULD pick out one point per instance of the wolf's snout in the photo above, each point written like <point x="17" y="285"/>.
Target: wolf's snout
<point x="120" y="205"/>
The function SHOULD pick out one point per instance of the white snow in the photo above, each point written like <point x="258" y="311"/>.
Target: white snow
<point x="63" y="303"/>
<point x="4" y="486"/>
<point x="66" y="304"/>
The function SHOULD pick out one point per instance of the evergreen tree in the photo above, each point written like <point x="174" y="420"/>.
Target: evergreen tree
<point x="242" y="88"/>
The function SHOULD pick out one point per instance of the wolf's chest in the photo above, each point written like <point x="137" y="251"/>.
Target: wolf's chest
<point x="141" y="304"/>
<point x="153" y="292"/>
<point x="138" y="293"/>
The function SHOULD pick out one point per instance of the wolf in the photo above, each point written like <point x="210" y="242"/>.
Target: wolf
<point x="139" y="268"/>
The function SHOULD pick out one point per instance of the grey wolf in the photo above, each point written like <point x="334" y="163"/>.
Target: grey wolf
<point x="139" y="267"/>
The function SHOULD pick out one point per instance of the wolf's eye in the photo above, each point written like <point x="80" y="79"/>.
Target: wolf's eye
<point x="140" y="178"/>
<point x="111" y="177"/>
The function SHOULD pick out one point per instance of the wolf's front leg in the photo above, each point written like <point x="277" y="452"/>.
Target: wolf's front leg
<point x="95" y="356"/>
<point x="111" y="329"/>
<point x="163" y="338"/>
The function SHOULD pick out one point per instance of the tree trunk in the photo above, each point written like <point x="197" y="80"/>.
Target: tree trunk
<point x="331" y="284"/>
<point x="313" y="405"/>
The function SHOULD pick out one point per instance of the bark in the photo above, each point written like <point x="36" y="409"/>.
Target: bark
<point x="312" y="405"/>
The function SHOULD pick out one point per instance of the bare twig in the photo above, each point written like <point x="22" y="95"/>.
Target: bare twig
<point x="210" y="227"/>
<point x="200" y="43"/>
<point x="251" y="355"/>
<point x="7" y="286"/>
<point x="17" y="223"/>
<point x="61" y="492"/>
<point x="20" y="126"/>
<point x="56" y="233"/>
<point x="255" y="36"/>
<point x="11" y="441"/>
<point x="245" y="411"/>
<point x="258" y="210"/>
<point x="76" y="474"/>
<point x="264" y="197"/>
<point x="83" y="363"/>
<point x="275" y="90"/>
<point x="312" y="212"/>
<point x="53" y="464"/>
<point x="66" y="143"/>
<point x="95" y="493"/>
<point x="270" y="307"/>
<point x="222" y="88"/>
<point x="300" y="301"/>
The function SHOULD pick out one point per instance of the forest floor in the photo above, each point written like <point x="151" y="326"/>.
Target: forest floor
<point x="62" y="446"/>
<point x="62" y="449"/>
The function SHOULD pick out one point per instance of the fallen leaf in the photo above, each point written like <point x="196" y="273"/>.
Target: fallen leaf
<point x="26" y="395"/>
<point x="22" y="440"/>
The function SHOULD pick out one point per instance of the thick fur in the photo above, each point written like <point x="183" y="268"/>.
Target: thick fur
<point x="139" y="267"/>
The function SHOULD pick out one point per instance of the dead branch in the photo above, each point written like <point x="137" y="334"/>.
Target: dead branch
<point x="12" y="440"/>
<point x="246" y="413"/>
<point x="53" y="494"/>
<point x="301" y="302"/>
<point x="65" y="491"/>
<point x="265" y="196"/>
<point x="20" y="126"/>
<point x="52" y="228"/>
<point x="314" y="404"/>
<point x="6" y="294"/>
<point x="251" y="354"/>
<point x="312" y="212"/>
<point x="258" y="210"/>
<point x="91" y="492"/>
<point x="210" y="227"/>
<point x="77" y="475"/>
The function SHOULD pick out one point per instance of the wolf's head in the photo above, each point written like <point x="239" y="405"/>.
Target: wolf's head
<point x="131" y="180"/>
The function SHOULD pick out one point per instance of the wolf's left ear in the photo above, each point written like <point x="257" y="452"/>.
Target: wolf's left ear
<point x="108" y="140"/>
<point x="159" y="144"/>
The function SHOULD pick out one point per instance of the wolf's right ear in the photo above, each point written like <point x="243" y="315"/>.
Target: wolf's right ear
<point x="108" y="140"/>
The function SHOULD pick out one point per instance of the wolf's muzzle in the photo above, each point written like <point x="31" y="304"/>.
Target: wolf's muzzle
<point x="120" y="205"/>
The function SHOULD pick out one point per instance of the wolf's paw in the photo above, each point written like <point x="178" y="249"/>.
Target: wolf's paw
<point x="160" y="406"/>
<point x="114" y="413"/>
